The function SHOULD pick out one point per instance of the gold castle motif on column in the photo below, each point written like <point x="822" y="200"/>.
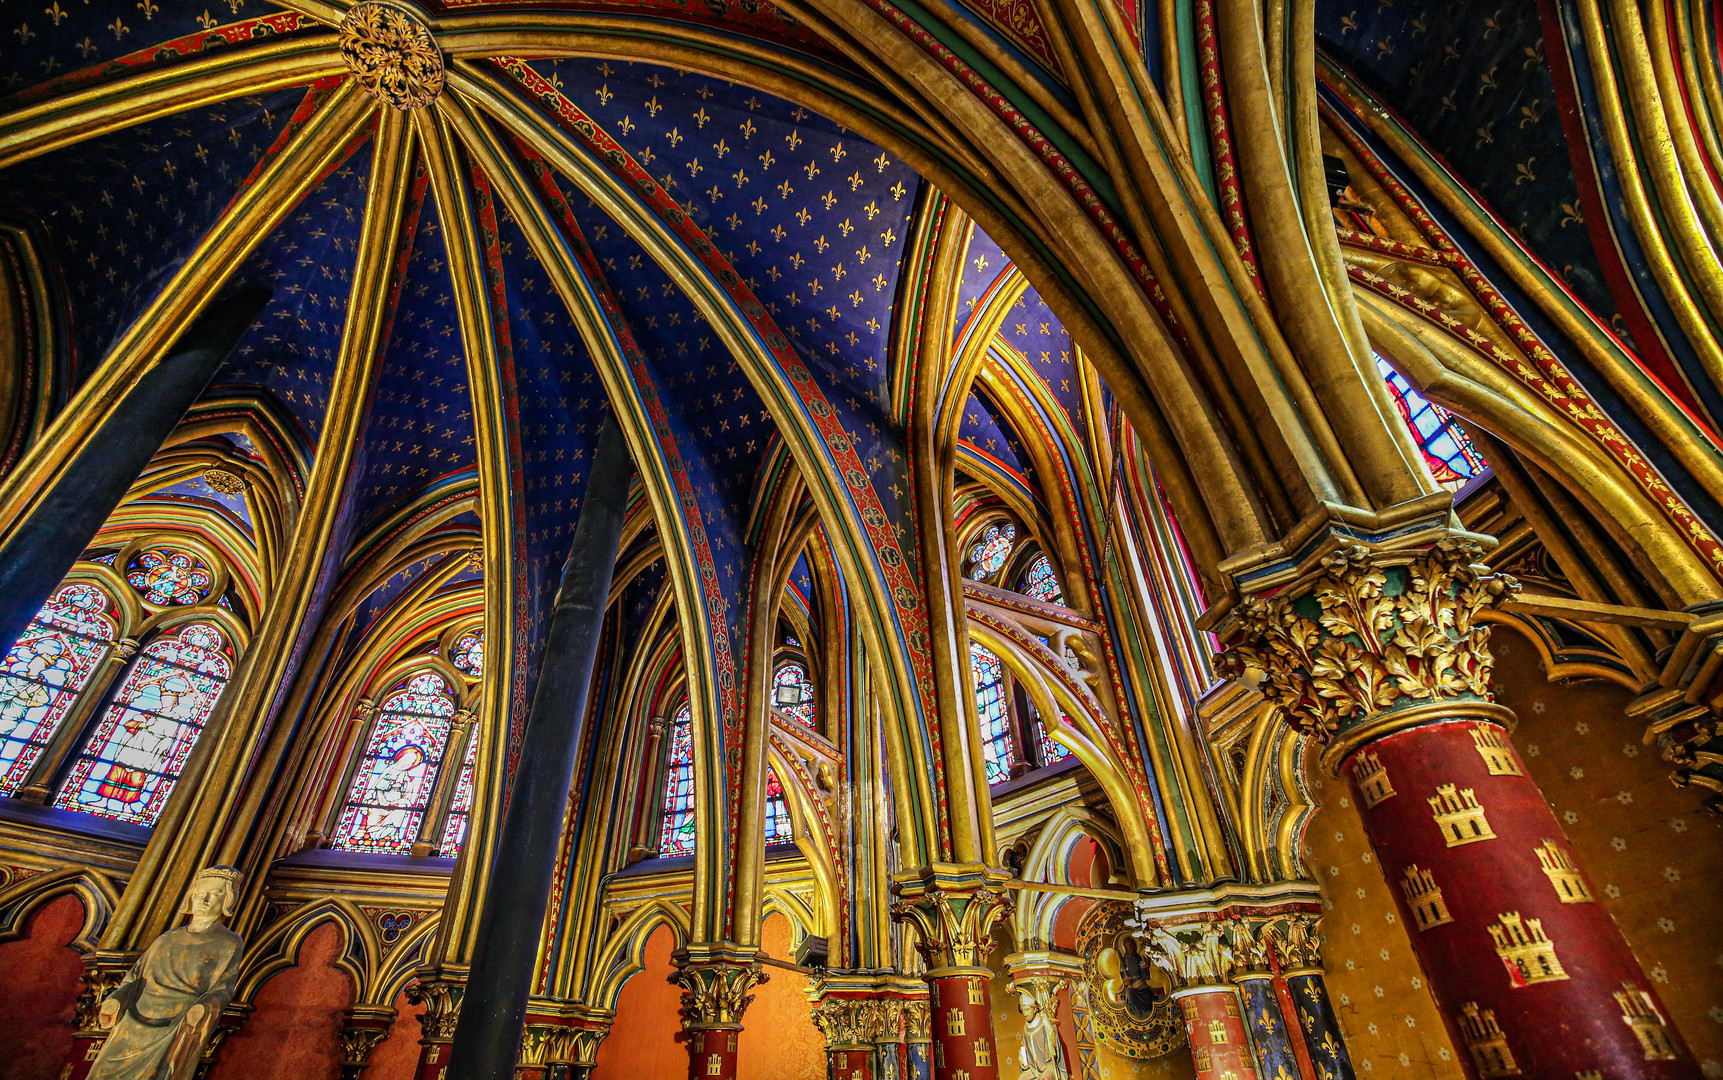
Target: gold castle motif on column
<point x="1459" y="816"/>
<point x="1640" y="1013"/>
<point x="1371" y="777"/>
<point x="1486" y="1042"/>
<point x="1526" y="951"/>
<point x="1570" y="887"/>
<point x="1389" y="630"/>
<point x="1424" y="896"/>
<point x="1494" y="749"/>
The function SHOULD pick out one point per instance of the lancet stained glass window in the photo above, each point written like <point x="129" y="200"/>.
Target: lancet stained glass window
<point x="778" y="829"/>
<point x="461" y="805"/>
<point x="677" y="836"/>
<point x="991" y="551"/>
<point x="1450" y="453"/>
<point x="468" y="654"/>
<point x="165" y="576"/>
<point x="1041" y="582"/>
<point x="792" y="693"/>
<point x="398" y="774"/>
<point x="995" y="717"/>
<point x="133" y="757"/>
<point x="42" y="676"/>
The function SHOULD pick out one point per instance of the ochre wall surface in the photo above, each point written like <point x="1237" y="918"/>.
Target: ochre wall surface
<point x="642" y="1043"/>
<point x="780" y="1041"/>
<point x="43" y="977"/>
<point x="296" y="1030"/>
<point x="1653" y="860"/>
<point x="397" y="1056"/>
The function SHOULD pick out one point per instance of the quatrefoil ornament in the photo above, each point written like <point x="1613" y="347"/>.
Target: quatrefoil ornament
<point x="392" y="55"/>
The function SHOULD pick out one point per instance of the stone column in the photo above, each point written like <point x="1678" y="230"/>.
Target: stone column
<point x="560" y="1041"/>
<point x="715" y="980"/>
<point x="1304" y="997"/>
<point x="953" y="909"/>
<point x="1037" y="978"/>
<point x="1201" y="964"/>
<point x="441" y="992"/>
<point x="1380" y="654"/>
<point x="1263" y="994"/>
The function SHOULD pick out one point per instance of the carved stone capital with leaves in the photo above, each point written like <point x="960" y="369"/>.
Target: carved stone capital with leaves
<point x="1371" y="632"/>
<point x="715" y="993"/>
<point x="442" y="1000"/>
<point x="849" y="1022"/>
<point x="955" y="928"/>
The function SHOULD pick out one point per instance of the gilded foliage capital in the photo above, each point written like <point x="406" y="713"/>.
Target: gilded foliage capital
<point x="715" y="992"/>
<point x="956" y="928"/>
<point x="848" y="1022"/>
<point x="1368" y="632"/>
<point x="392" y="55"/>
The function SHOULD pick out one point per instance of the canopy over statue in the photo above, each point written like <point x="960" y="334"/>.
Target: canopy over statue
<point x="163" y="1011"/>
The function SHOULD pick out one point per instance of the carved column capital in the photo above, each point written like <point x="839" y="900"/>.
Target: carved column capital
<point x="441" y="994"/>
<point x="1349" y="647"/>
<point x="125" y="648"/>
<point x="715" y="986"/>
<point x="1192" y="954"/>
<point x="954" y="919"/>
<point x="363" y="1027"/>
<point x="851" y="1023"/>
<point x="364" y="710"/>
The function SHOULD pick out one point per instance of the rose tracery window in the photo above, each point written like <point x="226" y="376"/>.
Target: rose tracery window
<point x="44" y="673"/>
<point x="677" y="834"/>
<point x="398" y="774"/>
<point x="134" y="755"/>
<point x="793" y="693"/>
<point x="996" y="748"/>
<point x="1040" y="582"/>
<point x="165" y="576"/>
<point x="991" y="550"/>
<point x="468" y="654"/>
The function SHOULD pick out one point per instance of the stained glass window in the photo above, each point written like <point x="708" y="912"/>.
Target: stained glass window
<point x="991" y="551"/>
<point x="1447" y="449"/>
<point x="165" y="576"/>
<point x="41" y="677"/>
<point x="461" y="805"/>
<point x="677" y="837"/>
<point x="398" y="773"/>
<point x="1041" y="582"/>
<point x="777" y="811"/>
<point x="1050" y="750"/>
<point x="468" y="655"/>
<point x="995" y="718"/>
<point x="135" y="754"/>
<point x="792" y="693"/>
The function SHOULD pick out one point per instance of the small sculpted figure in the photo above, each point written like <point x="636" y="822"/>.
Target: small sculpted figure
<point x="1038" y="1058"/>
<point x="170" y="1000"/>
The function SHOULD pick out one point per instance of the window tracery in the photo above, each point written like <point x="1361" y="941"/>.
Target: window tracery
<point x="1448" y="450"/>
<point x="677" y="834"/>
<point x="133" y="758"/>
<point x="1041" y="582"/>
<point x="996" y="750"/>
<point x="44" y="673"/>
<point x="989" y="552"/>
<point x="397" y="776"/>
<point x="167" y="577"/>
<point x="468" y="654"/>
<point x="461" y="805"/>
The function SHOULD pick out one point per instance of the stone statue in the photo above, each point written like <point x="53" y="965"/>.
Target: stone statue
<point x="170" y="1000"/>
<point x="1039" y="1056"/>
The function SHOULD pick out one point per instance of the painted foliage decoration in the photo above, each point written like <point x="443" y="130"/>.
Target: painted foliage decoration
<point x="1040" y="582"/>
<point x="677" y="837"/>
<point x="995" y="718"/>
<point x="991" y="551"/>
<point x="392" y="791"/>
<point x="165" y="576"/>
<point x="461" y="805"/>
<point x="778" y="829"/>
<point x="793" y="693"/>
<point x="45" y="672"/>
<point x="132" y="759"/>
<point x="1447" y="449"/>
<point x="468" y="654"/>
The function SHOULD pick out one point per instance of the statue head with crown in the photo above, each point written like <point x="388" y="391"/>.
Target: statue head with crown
<point x="164" y="1009"/>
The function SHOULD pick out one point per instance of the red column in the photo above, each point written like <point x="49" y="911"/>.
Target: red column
<point x="1215" y="1027"/>
<point x="963" y="1029"/>
<point x="712" y="1054"/>
<point x="851" y="1064"/>
<point x="1532" y="975"/>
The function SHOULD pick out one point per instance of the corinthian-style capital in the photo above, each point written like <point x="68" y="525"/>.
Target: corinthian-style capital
<point x="1192" y="956"/>
<point x="715" y="987"/>
<point x="955" y="927"/>
<point x="849" y="1022"/>
<point x="1371" y="632"/>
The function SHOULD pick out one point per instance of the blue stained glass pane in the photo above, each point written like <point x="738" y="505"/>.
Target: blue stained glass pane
<point x="468" y="655"/>
<point x="461" y="805"/>
<point x="995" y="718"/>
<point x="991" y="551"/>
<point x="1042" y="583"/>
<point x="134" y="756"/>
<point x="778" y="829"/>
<point x="794" y="676"/>
<point x="1447" y="449"/>
<point x="1050" y="750"/>
<point x="44" y="673"/>
<point x="165" y="576"/>
<point x="398" y="774"/>
<point x="677" y="837"/>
